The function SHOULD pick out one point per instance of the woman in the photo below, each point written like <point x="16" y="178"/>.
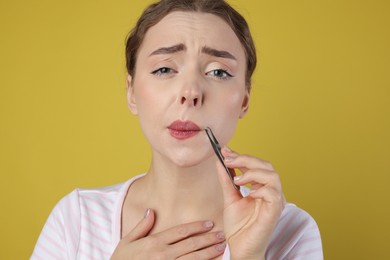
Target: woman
<point x="189" y="67"/>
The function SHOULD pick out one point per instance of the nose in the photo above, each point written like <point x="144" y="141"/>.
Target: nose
<point x="191" y="94"/>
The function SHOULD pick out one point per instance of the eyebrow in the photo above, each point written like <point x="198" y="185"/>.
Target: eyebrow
<point x="218" y="53"/>
<point x="169" y="50"/>
<point x="181" y="47"/>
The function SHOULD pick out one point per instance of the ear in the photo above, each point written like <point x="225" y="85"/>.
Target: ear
<point x="245" y="104"/>
<point x="131" y="102"/>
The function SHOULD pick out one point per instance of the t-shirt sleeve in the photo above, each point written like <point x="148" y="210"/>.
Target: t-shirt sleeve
<point x="296" y="237"/>
<point x="59" y="238"/>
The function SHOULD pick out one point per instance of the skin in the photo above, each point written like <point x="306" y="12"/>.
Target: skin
<point x="178" y="78"/>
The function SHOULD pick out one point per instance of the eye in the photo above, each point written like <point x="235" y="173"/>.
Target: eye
<point x="220" y="74"/>
<point x="162" y="71"/>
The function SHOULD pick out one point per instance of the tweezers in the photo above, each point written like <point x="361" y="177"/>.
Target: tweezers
<point x="217" y="150"/>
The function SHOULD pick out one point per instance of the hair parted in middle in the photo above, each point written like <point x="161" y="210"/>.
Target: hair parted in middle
<point x="157" y="11"/>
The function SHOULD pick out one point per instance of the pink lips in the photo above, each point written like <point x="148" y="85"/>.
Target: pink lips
<point x="183" y="129"/>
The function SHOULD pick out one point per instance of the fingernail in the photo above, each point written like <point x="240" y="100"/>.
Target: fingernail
<point x="147" y="212"/>
<point x="236" y="178"/>
<point x="221" y="247"/>
<point x="228" y="159"/>
<point x="220" y="235"/>
<point x="208" y="224"/>
<point x="227" y="149"/>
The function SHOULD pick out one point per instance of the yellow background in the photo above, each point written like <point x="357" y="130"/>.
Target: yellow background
<point x="319" y="112"/>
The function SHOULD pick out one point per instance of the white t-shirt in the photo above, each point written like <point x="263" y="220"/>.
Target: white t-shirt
<point x="86" y="224"/>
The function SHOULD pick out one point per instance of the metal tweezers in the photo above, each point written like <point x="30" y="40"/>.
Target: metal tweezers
<point x="217" y="150"/>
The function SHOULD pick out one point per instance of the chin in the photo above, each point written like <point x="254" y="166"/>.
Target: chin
<point x="189" y="158"/>
<point x="186" y="162"/>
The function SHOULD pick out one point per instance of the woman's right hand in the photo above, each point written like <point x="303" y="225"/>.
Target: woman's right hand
<point x="185" y="241"/>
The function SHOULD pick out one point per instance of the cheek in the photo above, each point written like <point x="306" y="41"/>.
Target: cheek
<point x="233" y="103"/>
<point x="149" y="111"/>
<point x="228" y="115"/>
<point x="147" y="108"/>
<point x="147" y="100"/>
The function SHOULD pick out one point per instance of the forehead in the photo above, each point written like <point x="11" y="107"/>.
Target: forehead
<point x="194" y="30"/>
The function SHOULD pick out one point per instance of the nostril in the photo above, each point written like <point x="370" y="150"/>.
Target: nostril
<point x="191" y="101"/>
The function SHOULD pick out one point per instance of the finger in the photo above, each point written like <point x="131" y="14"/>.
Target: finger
<point x="244" y="162"/>
<point x="142" y="228"/>
<point x="269" y="195"/>
<point x="230" y="194"/>
<point x="271" y="208"/>
<point x="236" y="160"/>
<point x="258" y="178"/>
<point x="210" y="252"/>
<point x="183" y="231"/>
<point x="195" y="243"/>
<point x="270" y="204"/>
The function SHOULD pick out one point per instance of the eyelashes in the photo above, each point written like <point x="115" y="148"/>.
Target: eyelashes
<point x="220" y="74"/>
<point x="163" y="71"/>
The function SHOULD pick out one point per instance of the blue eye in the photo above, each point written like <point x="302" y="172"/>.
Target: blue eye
<point x="220" y="74"/>
<point x="162" y="71"/>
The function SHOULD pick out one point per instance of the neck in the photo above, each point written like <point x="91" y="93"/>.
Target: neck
<point x="182" y="194"/>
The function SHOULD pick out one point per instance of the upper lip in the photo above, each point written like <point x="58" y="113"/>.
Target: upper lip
<point x="184" y="126"/>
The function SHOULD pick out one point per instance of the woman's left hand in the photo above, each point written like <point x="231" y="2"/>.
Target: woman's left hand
<point x="249" y="221"/>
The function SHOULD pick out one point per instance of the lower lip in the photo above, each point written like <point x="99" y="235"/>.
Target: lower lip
<point x="182" y="135"/>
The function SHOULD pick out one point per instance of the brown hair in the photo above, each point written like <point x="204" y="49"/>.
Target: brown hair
<point x="157" y="11"/>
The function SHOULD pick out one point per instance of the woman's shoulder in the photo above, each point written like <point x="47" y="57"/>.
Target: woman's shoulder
<point x="99" y="194"/>
<point x="292" y="213"/>
<point x="296" y="236"/>
<point x="100" y="197"/>
<point x="78" y="195"/>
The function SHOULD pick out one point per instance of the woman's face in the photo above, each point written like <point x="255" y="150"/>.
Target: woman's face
<point x="190" y="74"/>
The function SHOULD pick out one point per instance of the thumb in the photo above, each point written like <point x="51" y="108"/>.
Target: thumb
<point x="230" y="194"/>
<point x="142" y="228"/>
